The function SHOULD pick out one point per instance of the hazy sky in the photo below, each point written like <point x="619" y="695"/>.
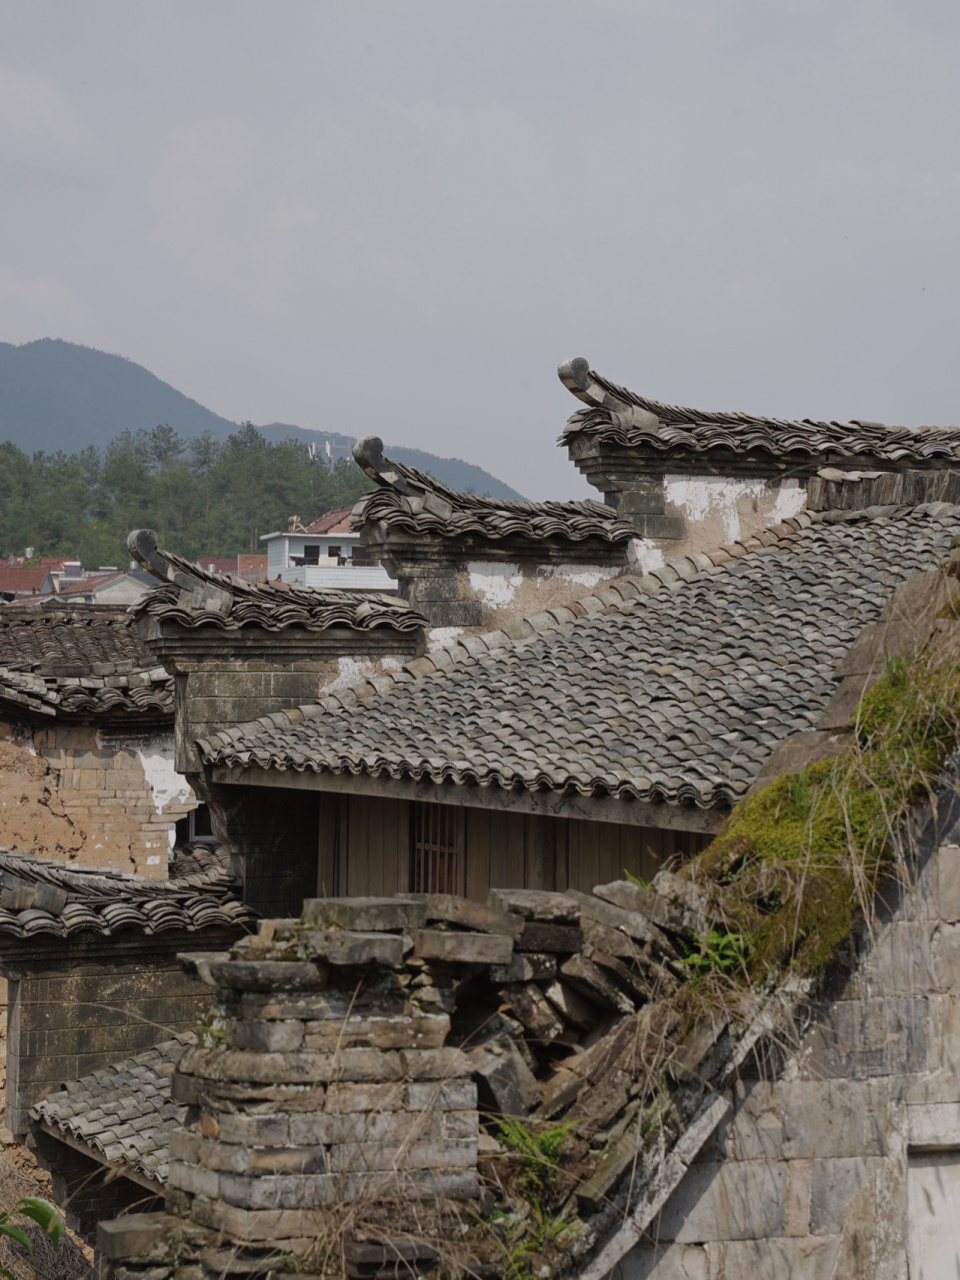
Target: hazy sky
<point x="398" y="216"/>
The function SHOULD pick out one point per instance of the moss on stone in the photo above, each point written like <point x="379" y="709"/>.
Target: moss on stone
<point x="798" y="861"/>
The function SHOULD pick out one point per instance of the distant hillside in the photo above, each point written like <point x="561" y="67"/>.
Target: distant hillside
<point x="58" y="395"/>
<point x="452" y="471"/>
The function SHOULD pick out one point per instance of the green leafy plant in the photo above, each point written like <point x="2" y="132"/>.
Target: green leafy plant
<point x="632" y="879"/>
<point x="541" y="1151"/>
<point x="43" y="1213"/>
<point x="717" y="950"/>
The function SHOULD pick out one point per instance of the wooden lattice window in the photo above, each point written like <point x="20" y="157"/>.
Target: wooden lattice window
<point x="436" y="848"/>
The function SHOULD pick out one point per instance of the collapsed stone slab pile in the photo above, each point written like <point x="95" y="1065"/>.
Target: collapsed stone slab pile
<point x="347" y="1103"/>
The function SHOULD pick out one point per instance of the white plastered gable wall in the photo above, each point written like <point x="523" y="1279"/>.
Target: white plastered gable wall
<point x="717" y="509"/>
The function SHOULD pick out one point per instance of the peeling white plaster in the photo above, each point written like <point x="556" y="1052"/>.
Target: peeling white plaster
<point x="791" y="500"/>
<point x="700" y="498"/>
<point x="645" y="555"/>
<point x="496" y="583"/>
<point x="153" y="861"/>
<point x="443" y="637"/>
<point x="578" y="575"/>
<point x="168" y="786"/>
<point x="354" y="671"/>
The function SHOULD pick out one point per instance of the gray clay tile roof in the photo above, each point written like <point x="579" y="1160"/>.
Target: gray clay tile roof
<point x="124" y="1111"/>
<point x="672" y="687"/>
<point x="625" y="418"/>
<point x="81" y="661"/>
<point x="193" y="597"/>
<point x="39" y="897"/>
<point x="407" y="499"/>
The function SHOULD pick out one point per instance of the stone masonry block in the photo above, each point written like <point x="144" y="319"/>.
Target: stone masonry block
<point x="452" y="1095"/>
<point x="832" y="1118"/>
<point x="878" y="1037"/>
<point x="948" y="869"/>
<point x="363" y="1157"/>
<point x="258" y="1224"/>
<point x="416" y="1031"/>
<point x="736" y="1201"/>
<point x="461" y="947"/>
<point x="277" y="1191"/>
<point x="434" y="1064"/>
<point x="902" y="959"/>
<point x="316" y="1007"/>
<point x="139" y="1236"/>
<point x="299" y="1067"/>
<point x="228" y="1157"/>
<point x="192" y="1178"/>
<point x="255" y="1131"/>
<point x="472" y="915"/>
<point x="366" y="914"/>
<point x="835" y="1183"/>
<point x="277" y="1036"/>
<point x="341" y="947"/>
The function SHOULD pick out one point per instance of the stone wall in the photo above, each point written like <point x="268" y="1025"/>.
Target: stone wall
<point x="104" y="799"/>
<point x="844" y="1159"/>
<point x="72" y="1013"/>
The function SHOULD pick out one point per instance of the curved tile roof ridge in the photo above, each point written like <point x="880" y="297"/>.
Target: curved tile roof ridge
<point x="42" y="896"/>
<point x="195" y="597"/>
<point x="408" y="499"/>
<point x="615" y="593"/>
<point x="617" y="414"/>
<point x="703" y="728"/>
<point x="80" y="661"/>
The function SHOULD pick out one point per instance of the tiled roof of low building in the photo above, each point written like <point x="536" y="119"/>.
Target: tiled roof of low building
<point x="25" y="581"/>
<point x="671" y="687"/>
<point x="124" y="1112"/>
<point x="80" y="661"/>
<point x="40" y="897"/>
<point x="331" y="522"/>
<point x="193" y="597"/>
<point x="407" y="499"/>
<point x="625" y="418"/>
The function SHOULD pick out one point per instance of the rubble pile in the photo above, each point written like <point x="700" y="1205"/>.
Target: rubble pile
<point x="347" y="1104"/>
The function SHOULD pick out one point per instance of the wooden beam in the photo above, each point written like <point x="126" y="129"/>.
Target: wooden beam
<point x="117" y="1168"/>
<point x="550" y="804"/>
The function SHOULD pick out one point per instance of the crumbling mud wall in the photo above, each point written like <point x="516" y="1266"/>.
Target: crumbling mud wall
<point x="72" y="793"/>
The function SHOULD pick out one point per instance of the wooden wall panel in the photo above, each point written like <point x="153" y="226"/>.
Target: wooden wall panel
<point x="477" y="846"/>
<point x="368" y="839"/>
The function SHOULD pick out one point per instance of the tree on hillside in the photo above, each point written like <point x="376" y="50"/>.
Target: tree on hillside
<point x="203" y="497"/>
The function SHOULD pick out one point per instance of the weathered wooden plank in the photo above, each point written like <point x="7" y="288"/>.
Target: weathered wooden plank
<point x="328" y="846"/>
<point x="477" y="841"/>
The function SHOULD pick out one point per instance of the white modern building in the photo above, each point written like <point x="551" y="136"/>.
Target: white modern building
<point x="324" y="554"/>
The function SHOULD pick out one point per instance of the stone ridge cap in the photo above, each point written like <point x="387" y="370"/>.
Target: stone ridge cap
<point x="196" y="596"/>
<point x="598" y="392"/>
<point x="617" y="594"/>
<point x="412" y="499"/>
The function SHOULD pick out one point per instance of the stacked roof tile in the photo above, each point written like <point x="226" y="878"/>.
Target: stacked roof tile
<point x="124" y="1111"/>
<point x="80" y="661"/>
<point x="671" y="687"/>
<point x="193" y="597"/>
<point x="59" y="900"/>
<point x="407" y="499"/>
<point x="670" y="429"/>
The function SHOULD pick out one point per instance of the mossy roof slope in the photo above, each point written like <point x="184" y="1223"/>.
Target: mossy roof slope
<point x="677" y="696"/>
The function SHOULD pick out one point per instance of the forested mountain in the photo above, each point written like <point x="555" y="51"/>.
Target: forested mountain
<point x="203" y="496"/>
<point x="57" y="395"/>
